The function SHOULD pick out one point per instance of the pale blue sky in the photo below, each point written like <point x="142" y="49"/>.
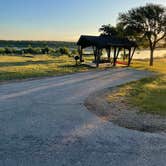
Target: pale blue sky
<point x="63" y="20"/>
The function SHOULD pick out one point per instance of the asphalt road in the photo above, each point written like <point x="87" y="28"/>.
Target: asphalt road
<point x="45" y="123"/>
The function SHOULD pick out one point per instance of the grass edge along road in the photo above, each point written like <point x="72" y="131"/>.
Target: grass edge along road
<point x="147" y="94"/>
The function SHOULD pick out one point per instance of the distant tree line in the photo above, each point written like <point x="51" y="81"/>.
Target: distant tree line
<point x="37" y="50"/>
<point x="41" y="44"/>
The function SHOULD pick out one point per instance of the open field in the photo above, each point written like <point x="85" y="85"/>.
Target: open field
<point x="30" y="66"/>
<point x="17" y="67"/>
<point x="148" y="94"/>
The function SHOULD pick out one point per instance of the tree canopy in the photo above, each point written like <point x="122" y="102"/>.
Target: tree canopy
<point x="108" y="30"/>
<point x="146" y="22"/>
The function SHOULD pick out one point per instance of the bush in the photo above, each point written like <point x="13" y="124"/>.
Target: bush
<point x="9" y="50"/>
<point x="31" y="50"/>
<point x="51" y="50"/>
<point x="37" y="50"/>
<point x="2" y="51"/>
<point x="18" y="52"/>
<point x="74" y="52"/>
<point x="63" y="51"/>
<point x="45" y="50"/>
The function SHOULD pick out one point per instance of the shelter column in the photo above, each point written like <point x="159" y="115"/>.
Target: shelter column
<point x="94" y="52"/>
<point x="114" y="64"/>
<point x="109" y="54"/>
<point x="81" y="50"/>
<point x="124" y="56"/>
<point x="129" y="57"/>
<point x="97" y="57"/>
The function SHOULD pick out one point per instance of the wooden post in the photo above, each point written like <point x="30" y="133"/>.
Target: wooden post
<point x="114" y="64"/>
<point x="129" y="57"/>
<point x="124" y="56"/>
<point x="132" y="56"/>
<point x="133" y="52"/>
<point x="81" y="50"/>
<point x="97" y="58"/>
<point x="94" y="53"/>
<point x="109" y="54"/>
<point x="119" y="49"/>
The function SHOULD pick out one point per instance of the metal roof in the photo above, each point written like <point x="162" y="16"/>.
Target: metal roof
<point x="105" y="41"/>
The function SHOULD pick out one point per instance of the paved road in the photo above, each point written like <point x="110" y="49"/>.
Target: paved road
<point x="45" y="123"/>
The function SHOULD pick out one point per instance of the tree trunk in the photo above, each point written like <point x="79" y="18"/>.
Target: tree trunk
<point x="151" y="56"/>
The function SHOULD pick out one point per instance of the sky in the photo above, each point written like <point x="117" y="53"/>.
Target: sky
<point x="60" y="20"/>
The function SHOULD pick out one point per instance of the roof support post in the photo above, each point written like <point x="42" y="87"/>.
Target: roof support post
<point x="114" y="64"/>
<point x="129" y="57"/>
<point x="81" y="50"/>
<point x="94" y="52"/>
<point x="98" y="57"/>
<point x="109" y="54"/>
<point x="119" y="49"/>
<point x="124" y="56"/>
<point x="132" y="54"/>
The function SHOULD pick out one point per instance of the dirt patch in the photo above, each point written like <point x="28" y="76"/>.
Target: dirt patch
<point x="122" y="114"/>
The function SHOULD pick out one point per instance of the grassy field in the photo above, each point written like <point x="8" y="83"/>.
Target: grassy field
<point x="148" y="94"/>
<point x="17" y="67"/>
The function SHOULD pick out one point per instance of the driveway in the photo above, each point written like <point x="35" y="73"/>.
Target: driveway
<point x="45" y="123"/>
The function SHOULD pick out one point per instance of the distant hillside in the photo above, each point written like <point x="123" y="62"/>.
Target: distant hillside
<point x="22" y="44"/>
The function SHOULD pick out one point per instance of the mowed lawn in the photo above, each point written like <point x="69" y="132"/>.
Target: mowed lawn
<point x="21" y="67"/>
<point x="149" y="94"/>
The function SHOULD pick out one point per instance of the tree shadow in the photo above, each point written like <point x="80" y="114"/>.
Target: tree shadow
<point x="76" y="66"/>
<point x="29" y="62"/>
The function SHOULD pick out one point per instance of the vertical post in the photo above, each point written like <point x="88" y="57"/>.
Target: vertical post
<point x="81" y="54"/>
<point x="129" y="57"/>
<point x="94" y="52"/>
<point x="124" y="56"/>
<point x="109" y="54"/>
<point x="98" y="57"/>
<point x="132" y="55"/>
<point x="119" y="49"/>
<point x="114" y="64"/>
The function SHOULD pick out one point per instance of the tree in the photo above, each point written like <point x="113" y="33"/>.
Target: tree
<point x="108" y="30"/>
<point x="147" y="22"/>
<point x="116" y="31"/>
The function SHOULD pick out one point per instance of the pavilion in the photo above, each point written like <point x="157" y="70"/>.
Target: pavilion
<point x="110" y="43"/>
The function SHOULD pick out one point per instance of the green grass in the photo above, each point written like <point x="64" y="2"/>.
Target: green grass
<point x="148" y="94"/>
<point x="17" y="67"/>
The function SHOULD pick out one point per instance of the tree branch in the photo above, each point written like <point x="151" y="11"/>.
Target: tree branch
<point x="161" y="38"/>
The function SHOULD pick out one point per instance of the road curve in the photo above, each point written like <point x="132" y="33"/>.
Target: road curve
<point x="45" y="123"/>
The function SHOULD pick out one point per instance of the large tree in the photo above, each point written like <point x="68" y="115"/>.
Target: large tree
<point x="146" y="22"/>
<point x="108" y="30"/>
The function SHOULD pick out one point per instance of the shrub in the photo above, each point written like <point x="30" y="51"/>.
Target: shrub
<point x="2" y="50"/>
<point x="31" y="50"/>
<point x="74" y="52"/>
<point x="63" y="51"/>
<point x="9" y="50"/>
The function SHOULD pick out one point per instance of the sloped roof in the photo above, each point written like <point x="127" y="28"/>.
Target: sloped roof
<point x="104" y="41"/>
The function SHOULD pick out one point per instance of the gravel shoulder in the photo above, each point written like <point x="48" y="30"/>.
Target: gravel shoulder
<point x="120" y="113"/>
